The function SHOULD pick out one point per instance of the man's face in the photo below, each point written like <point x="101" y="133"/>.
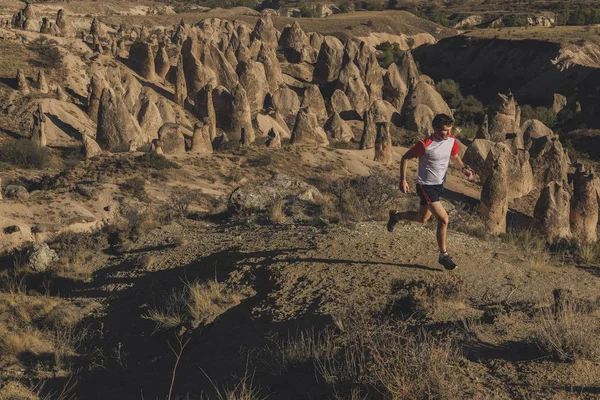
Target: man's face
<point x="443" y="132"/>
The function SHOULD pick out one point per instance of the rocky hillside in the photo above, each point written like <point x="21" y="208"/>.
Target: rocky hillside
<point x="535" y="70"/>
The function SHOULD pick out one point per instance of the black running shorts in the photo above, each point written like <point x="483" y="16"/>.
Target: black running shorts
<point x="429" y="193"/>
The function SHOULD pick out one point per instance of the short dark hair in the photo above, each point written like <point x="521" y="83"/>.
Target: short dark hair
<point x="441" y="120"/>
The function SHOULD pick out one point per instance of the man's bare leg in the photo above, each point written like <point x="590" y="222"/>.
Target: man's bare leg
<point x="415" y="216"/>
<point x="438" y="211"/>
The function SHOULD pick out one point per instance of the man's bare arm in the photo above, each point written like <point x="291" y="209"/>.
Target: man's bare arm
<point x="403" y="167"/>
<point x="459" y="163"/>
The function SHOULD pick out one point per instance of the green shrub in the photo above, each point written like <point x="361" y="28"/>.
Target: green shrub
<point x="25" y="154"/>
<point x="513" y="20"/>
<point x="468" y="110"/>
<point x="156" y="161"/>
<point x="543" y="114"/>
<point x="344" y="8"/>
<point x="389" y="54"/>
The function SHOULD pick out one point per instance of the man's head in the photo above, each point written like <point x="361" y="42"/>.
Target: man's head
<point x="442" y="125"/>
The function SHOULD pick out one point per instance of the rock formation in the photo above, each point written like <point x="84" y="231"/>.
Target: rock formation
<point x="254" y="80"/>
<point x="394" y="88"/>
<point x="337" y="129"/>
<point x="201" y="141"/>
<point x="548" y="160"/>
<point x="551" y="212"/>
<point x="273" y="139"/>
<point x="141" y="60"/>
<point x="95" y="88"/>
<point x="42" y="84"/>
<point x="584" y="205"/>
<point x="351" y="83"/>
<point x="383" y="144"/>
<point x="378" y="113"/>
<point x="38" y="131"/>
<point x="22" y="85"/>
<point x="313" y="101"/>
<point x="180" y="83"/>
<point x="205" y="110"/>
<point x="241" y="117"/>
<point x="329" y="61"/>
<point x="287" y="103"/>
<point x="90" y="147"/>
<point x="504" y="116"/>
<point x="307" y="130"/>
<point x="113" y="133"/>
<point x="494" y="194"/>
<point x="162" y="64"/>
<point x="171" y="139"/>
<point x="149" y="119"/>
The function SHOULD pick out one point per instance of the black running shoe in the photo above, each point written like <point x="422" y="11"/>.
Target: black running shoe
<point x="447" y="262"/>
<point x="392" y="221"/>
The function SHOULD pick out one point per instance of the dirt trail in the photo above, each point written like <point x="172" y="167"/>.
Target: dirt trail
<point x="303" y="277"/>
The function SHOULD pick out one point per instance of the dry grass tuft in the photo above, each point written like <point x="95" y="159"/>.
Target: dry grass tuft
<point x="198" y="304"/>
<point x="376" y="356"/>
<point x="207" y="301"/>
<point x="276" y="214"/>
<point x="532" y="245"/>
<point x="568" y="332"/>
<point x="587" y="253"/>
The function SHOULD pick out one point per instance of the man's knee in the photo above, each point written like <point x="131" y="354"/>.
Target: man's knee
<point x="443" y="221"/>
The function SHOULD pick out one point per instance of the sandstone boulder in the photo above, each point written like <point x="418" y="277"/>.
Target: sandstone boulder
<point x="40" y="257"/>
<point x="205" y="109"/>
<point x="352" y="85"/>
<point x="273" y="139"/>
<point x="548" y="161"/>
<point x="90" y="148"/>
<point x="254" y="80"/>
<point x="171" y="139"/>
<point x="329" y="61"/>
<point x="287" y="103"/>
<point x="141" y="60"/>
<point x="313" y="101"/>
<point x="378" y="113"/>
<point x="425" y="94"/>
<point x="265" y="31"/>
<point x="337" y="129"/>
<point x="180" y="83"/>
<point x="150" y="120"/>
<point x="113" y="122"/>
<point x="162" y="63"/>
<point x="420" y="119"/>
<point x="266" y="124"/>
<point x="559" y="103"/>
<point x="504" y="117"/>
<point x="201" y="141"/>
<point x="262" y="195"/>
<point x="42" y="83"/>
<point x="17" y="192"/>
<point x="307" y="130"/>
<point x="533" y="129"/>
<point x="22" y="85"/>
<point x="268" y="58"/>
<point x="394" y="88"/>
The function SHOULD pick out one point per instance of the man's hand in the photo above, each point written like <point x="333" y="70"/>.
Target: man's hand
<point x="404" y="188"/>
<point x="468" y="173"/>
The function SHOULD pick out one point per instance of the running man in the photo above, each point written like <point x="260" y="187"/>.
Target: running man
<point x="434" y="154"/>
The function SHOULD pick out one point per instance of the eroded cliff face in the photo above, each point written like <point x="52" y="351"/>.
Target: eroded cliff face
<point x="534" y="70"/>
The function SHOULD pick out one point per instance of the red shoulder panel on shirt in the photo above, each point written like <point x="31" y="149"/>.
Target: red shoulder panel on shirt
<point x="419" y="148"/>
<point x="455" y="147"/>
